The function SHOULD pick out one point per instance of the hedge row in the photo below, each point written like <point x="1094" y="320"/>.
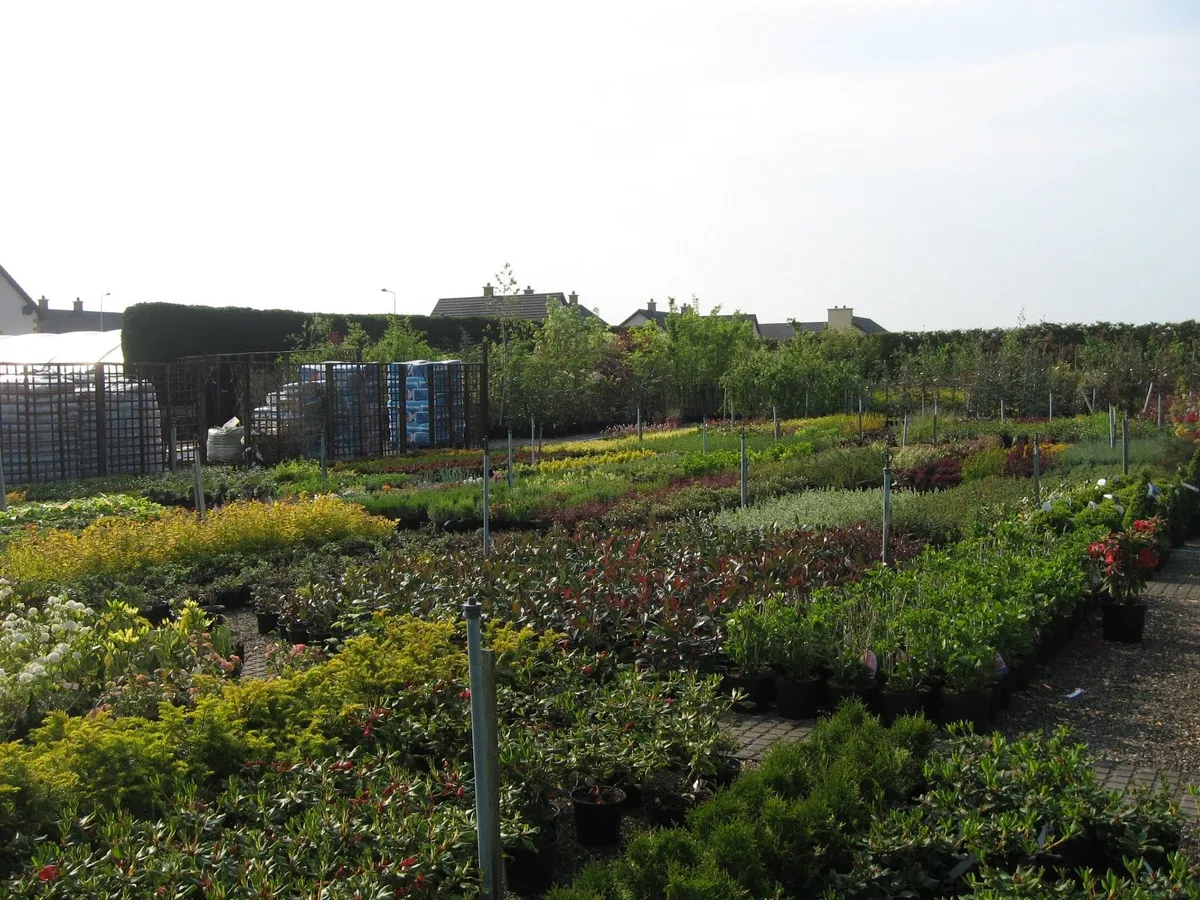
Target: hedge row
<point x="162" y="332"/>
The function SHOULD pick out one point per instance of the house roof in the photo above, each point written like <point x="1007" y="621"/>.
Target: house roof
<point x="515" y="306"/>
<point x="777" y="331"/>
<point x="64" y="321"/>
<point x="657" y="316"/>
<point x="868" y="326"/>
<point x="29" y="301"/>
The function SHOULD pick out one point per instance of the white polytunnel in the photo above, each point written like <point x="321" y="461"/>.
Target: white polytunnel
<point x="84" y="347"/>
<point x="70" y="409"/>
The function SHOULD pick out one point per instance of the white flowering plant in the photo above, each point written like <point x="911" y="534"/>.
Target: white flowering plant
<point x="63" y="655"/>
<point x="45" y="659"/>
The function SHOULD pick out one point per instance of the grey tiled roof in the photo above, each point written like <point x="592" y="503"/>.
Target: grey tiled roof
<point x="517" y="306"/>
<point x="63" y="321"/>
<point x="658" y="317"/>
<point x="777" y="331"/>
<point x="868" y="326"/>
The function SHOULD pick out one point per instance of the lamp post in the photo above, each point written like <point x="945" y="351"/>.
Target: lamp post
<point x="393" y="293"/>
<point x="102" y="296"/>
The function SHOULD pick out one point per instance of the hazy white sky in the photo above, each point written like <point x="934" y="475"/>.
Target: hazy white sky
<point x="928" y="162"/>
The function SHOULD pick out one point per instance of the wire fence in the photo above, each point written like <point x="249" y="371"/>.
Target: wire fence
<point x="63" y="422"/>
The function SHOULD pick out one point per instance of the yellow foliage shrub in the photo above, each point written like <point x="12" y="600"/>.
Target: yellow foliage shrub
<point x="115" y="544"/>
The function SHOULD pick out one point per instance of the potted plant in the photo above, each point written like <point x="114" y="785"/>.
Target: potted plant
<point x="791" y="651"/>
<point x="970" y="673"/>
<point x="745" y="644"/>
<point x="1123" y="561"/>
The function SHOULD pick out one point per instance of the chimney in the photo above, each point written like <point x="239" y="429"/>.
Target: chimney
<point x="650" y="307"/>
<point x="573" y="298"/>
<point x="78" y="305"/>
<point x="841" y="318"/>
<point x="528" y="289"/>
<point x="43" y="304"/>
<point x="488" y="289"/>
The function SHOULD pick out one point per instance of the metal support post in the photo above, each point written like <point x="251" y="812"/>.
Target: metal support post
<point x="775" y="421"/>
<point x="904" y="432"/>
<point x="704" y="435"/>
<point x="510" y="460"/>
<point x="1125" y="444"/>
<point x="745" y="473"/>
<point x="1112" y="427"/>
<point x="639" y="423"/>
<point x="1037" y="472"/>
<point x="887" y="508"/>
<point x="487" y="477"/>
<point x="481" y="666"/>
<point x="199" y="473"/>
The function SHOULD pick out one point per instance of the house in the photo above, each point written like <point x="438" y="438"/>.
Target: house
<point x="841" y="318"/>
<point x="18" y="311"/>
<point x="528" y="305"/>
<point x="652" y="314"/>
<point x="64" y="321"/>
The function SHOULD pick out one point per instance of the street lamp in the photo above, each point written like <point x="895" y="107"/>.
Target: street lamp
<point x="102" y="296"/>
<point x="393" y="293"/>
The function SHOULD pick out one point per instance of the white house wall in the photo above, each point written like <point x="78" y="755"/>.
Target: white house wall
<point x="12" y="319"/>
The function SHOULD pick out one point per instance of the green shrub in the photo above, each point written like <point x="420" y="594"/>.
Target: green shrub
<point x="985" y="464"/>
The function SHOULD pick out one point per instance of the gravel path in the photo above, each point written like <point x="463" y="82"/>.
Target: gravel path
<point x="1140" y="707"/>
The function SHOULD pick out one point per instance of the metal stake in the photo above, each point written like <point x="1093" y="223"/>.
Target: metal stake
<point x="639" y="423"/>
<point x="860" y="431"/>
<point x="3" y="484"/>
<point x="487" y="477"/>
<point x="704" y="436"/>
<point x="1125" y="444"/>
<point x="745" y="472"/>
<point x="775" y="420"/>
<point x="1050" y="418"/>
<point x="1160" y="410"/>
<point x="510" y="460"/>
<point x="1037" y="472"/>
<point x="532" y="442"/>
<point x="1112" y="427"/>
<point x="887" y="508"/>
<point x="904" y="432"/>
<point x="199" y="487"/>
<point x="1001" y="410"/>
<point x="480" y="665"/>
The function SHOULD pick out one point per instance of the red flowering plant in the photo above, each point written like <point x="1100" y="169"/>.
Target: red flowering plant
<point x="1123" y="561"/>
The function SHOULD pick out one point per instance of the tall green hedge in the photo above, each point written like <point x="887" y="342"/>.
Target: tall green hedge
<point x="162" y="332"/>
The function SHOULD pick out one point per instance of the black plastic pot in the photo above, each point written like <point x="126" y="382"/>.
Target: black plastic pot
<point x="1124" y="622"/>
<point x="1003" y="690"/>
<point x="759" y="689"/>
<point x="598" y="814"/>
<point x="868" y="693"/>
<point x="157" y="613"/>
<point x="902" y="703"/>
<point x="975" y="709"/>
<point x="267" y="622"/>
<point x="297" y="633"/>
<point x="797" y="698"/>
<point x="531" y="872"/>
<point x="1023" y="671"/>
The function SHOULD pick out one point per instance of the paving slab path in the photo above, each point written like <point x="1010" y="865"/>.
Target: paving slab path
<point x="1139" y="712"/>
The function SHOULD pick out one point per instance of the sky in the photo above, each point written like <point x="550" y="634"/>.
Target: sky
<point x="931" y="163"/>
